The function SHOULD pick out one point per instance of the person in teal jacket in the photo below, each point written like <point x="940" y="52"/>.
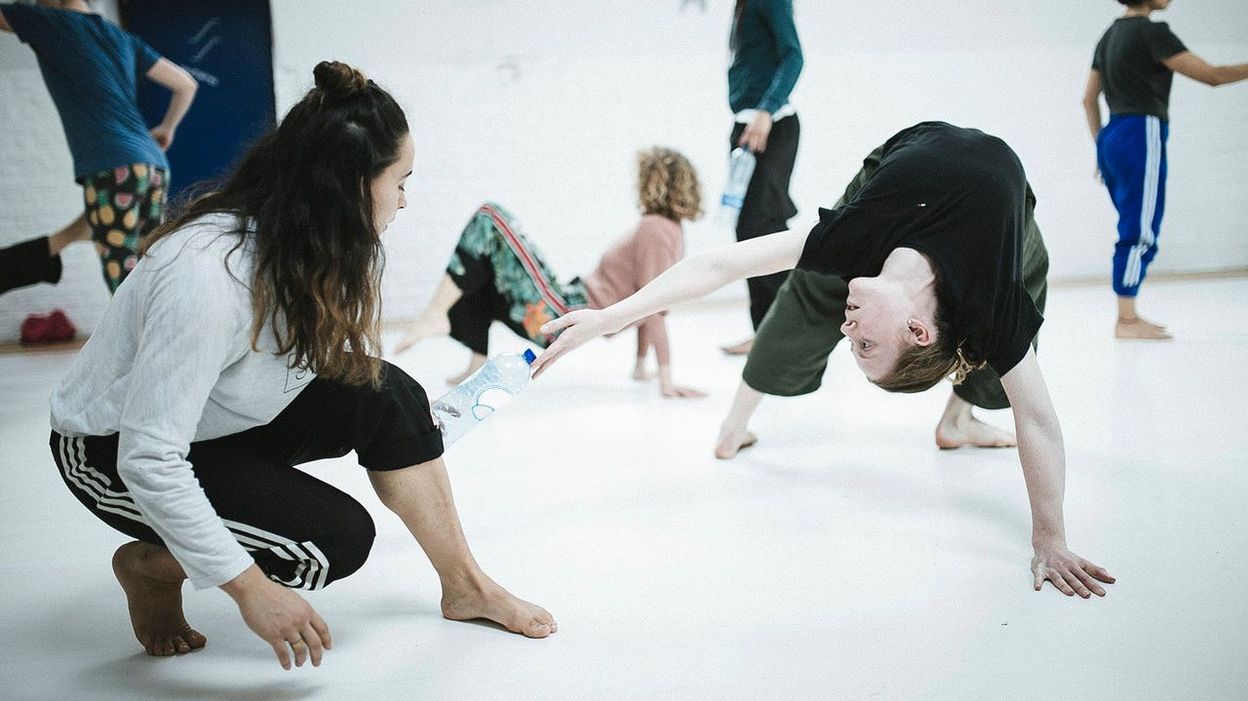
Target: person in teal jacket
<point x="766" y="61"/>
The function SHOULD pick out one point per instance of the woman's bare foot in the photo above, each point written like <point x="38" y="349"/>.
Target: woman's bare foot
<point x="733" y="439"/>
<point x="742" y="348"/>
<point x="474" y="364"/>
<point x="1141" y="329"/>
<point x="152" y="581"/>
<point x="486" y="599"/>
<point x="958" y="428"/>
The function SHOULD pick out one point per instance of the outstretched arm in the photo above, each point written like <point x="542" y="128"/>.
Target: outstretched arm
<point x="1043" y="457"/>
<point x="1092" y="102"/>
<point x="1196" y="68"/>
<point x="172" y="76"/>
<point x="689" y="279"/>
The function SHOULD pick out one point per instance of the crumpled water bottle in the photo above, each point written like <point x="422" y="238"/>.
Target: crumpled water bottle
<point x="480" y="395"/>
<point x="740" y="169"/>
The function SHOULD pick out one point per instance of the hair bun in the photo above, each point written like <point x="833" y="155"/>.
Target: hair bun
<point x="339" y="80"/>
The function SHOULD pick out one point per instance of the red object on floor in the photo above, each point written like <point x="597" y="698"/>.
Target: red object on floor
<point x="47" y="328"/>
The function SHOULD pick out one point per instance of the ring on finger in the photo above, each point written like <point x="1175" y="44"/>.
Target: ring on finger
<point x="296" y="643"/>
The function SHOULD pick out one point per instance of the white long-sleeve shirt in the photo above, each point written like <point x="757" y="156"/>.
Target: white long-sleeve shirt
<point x="170" y="363"/>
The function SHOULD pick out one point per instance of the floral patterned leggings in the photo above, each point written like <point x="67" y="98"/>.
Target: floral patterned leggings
<point x="504" y="278"/>
<point x="122" y="205"/>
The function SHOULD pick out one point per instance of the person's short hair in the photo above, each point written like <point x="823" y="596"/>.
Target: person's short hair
<point x="667" y="184"/>
<point x="921" y="367"/>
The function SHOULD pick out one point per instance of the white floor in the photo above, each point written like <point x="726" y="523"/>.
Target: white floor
<point x="843" y="557"/>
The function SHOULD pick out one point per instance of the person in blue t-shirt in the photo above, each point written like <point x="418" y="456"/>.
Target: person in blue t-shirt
<point x="1134" y="64"/>
<point x="766" y="61"/>
<point x="91" y="68"/>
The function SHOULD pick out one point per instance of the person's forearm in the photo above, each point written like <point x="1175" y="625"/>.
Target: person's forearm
<point x="699" y="275"/>
<point x="1093" y="112"/>
<point x="1225" y="75"/>
<point x="445" y="297"/>
<point x="1043" y="458"/>
<point x="656" y="335"/>
<point x="179" y="104"/>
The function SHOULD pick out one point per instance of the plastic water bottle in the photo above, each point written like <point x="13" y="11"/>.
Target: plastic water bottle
<point x="484" y="392"/>
<point x="740" y="170"/>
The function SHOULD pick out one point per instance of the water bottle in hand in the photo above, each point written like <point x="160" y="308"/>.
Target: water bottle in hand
<point x="740" y="170"/>
<point x="483" y="393"/>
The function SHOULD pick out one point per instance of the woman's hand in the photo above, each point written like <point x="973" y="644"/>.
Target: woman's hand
<point x="280" y="617"/>
<point x="577" y="327"/>
<point x="1067" y="571"/>
<point x="755" y="135"/>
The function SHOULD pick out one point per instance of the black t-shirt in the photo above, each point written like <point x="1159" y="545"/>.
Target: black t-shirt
<point x="1129" y="58"/>
<point x="958" y="196"/>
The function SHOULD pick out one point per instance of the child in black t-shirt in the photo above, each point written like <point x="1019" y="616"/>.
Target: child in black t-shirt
<point x="1134" y="64"/>
<point x="931" y="249"/>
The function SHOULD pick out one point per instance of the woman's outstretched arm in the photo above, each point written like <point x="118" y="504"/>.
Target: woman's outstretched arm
<point x="689" y="279"/>
<point x="1043" y="457"/>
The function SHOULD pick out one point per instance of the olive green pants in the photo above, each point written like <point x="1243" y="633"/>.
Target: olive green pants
<point x="791" y="348"/>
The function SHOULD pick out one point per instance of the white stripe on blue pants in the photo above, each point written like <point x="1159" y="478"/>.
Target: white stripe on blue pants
<point x="1131" y="152"/>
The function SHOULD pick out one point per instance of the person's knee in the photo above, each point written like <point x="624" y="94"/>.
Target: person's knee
<point x="348" y="550"/>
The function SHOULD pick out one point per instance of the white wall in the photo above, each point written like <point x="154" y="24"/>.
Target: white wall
<point x="540" y="104"/>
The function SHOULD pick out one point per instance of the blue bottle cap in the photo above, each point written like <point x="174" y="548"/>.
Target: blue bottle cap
<point x="529" y="356"/>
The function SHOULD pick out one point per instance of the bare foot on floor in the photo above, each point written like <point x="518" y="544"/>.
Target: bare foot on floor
<point x="742" y="348"/>
<point x="1141" y="329"/>
<point x="493" y="603"/>
<point x="733" y="440"/>
<point x="155" y="605"/>
<point x="972" y="432"/>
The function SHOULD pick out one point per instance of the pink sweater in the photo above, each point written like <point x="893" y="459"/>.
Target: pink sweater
<point x="634" y="260"/>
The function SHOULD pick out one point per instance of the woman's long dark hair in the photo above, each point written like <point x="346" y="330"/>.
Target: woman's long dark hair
<point x="304" y="190"/>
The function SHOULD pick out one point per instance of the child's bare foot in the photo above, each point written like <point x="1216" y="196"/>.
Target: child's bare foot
<point x="742" y="348"/>
<point x="971" y="432"/>
<point x="643" y="374"/>
<point x="155" y="604"/>
<point x="474" y="364"/>
<point x="733" y="439"/>
<point x="1140" y="329"/>
<point x="488" y="600"/>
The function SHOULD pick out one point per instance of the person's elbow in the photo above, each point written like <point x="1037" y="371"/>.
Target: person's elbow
<point x="187" y="85"/>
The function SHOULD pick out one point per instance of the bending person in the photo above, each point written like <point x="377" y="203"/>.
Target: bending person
<point x="934" y="249"/>
<point x="91" y="68"/>
<point x="241" y="348"/>
<point x="1134" y="65"/>
<point x="497" y="274"/>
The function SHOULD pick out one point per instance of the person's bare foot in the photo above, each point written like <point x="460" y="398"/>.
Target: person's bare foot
<point x="1140" y="329"/>
<point x="972" y="432"/>
<point x="732" y="440"/>
<point x="155" y="604"/>
<point x="474" y="364"/>
<point x="742" y="348"/>
<point x="490" y="601"/>
<point x="427" y="326"/>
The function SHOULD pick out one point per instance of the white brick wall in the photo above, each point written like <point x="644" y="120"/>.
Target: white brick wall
<point x="541" y="103"/>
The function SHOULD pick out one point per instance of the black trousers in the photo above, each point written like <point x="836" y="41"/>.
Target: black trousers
<point x="768" y="207"/>
<point x="27" y="263"/>
<point x="302" y="532"/>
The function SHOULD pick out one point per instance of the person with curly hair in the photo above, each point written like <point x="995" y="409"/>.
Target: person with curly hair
<point x="1134" y="65"/>
<point x="244" y="343"/>
<point x="497" y="274"/>
<point x="937" y="251"/>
